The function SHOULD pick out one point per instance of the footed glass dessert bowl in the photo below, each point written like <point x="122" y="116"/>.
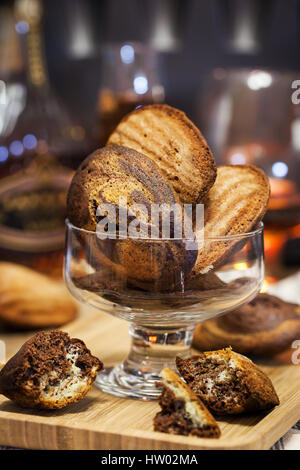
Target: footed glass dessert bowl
<point x="152" y="285"/>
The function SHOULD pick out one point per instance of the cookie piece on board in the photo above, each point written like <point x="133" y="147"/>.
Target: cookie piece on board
<point x="182" y="412"/>
<point x="175" y="144"/>
<point x="50" y="371"/>
<point x="235" y="205"/>
<point x="265" y="326"/>
<point x="227" y="382"/>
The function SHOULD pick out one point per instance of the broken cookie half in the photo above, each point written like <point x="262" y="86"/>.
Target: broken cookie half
<point x="182" y="412"/>
<point x="227" y="382"/>
<point x="51" y="370"/>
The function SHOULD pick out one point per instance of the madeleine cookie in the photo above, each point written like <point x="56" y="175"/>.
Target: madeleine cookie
<point x="148" y="265"/>
<point x="114" y="289"/>
<point x="204" y="282"/>
<point x="51" y="370"/>
<point x="102" y="178"/>
<point x="109" y="174"/>
<point x="266" y="325"/>
<point x="182" y="412"/>
<point x="174" y="143"/>
<point x="236" y="203"/>
<point x="227" y="382"/>
<point x="31" y="300"/>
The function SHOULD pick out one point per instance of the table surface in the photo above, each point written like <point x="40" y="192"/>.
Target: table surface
<point x="289" y="290"/>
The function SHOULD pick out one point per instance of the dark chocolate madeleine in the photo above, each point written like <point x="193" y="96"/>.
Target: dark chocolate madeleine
<point x="227" y="382"/>
<point x="51" y="370"/>
<point x="182" y="412"/>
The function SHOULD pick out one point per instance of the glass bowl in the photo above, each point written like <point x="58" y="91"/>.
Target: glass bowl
<point x="162" y="305"/>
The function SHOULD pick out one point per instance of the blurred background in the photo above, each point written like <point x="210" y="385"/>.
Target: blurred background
<point x="70" y="69"/>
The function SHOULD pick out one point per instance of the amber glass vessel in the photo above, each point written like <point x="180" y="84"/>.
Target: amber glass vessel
<point x="40" y="146"/>
<point x="129" y="78"/>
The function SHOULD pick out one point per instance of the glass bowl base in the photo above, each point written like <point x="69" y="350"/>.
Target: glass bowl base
<point x="116" y="381"/>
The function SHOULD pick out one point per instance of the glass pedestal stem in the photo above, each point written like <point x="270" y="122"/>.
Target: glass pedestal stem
<point x="152" y="349"/>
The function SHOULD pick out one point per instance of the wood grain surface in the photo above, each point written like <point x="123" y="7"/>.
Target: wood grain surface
<point x="101" y="421"/>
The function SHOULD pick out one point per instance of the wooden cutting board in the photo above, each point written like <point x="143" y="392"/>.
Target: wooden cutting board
<point x="101" y="421"/>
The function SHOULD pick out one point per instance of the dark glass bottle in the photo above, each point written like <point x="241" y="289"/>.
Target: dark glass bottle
<point x="40" y="146"/>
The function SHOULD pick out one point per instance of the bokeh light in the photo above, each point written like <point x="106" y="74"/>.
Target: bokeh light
<point x="140" y="84"/>
<point x="29" y="141"/>
<point x="16" y="148"/>
<point x="22" y="27"/>
<point x="238" y="159"/>
<point x="3" y="154"/>
<point x="280" y="169"/>
<point x="259" y="79"/>
<point x="127" y="54"/>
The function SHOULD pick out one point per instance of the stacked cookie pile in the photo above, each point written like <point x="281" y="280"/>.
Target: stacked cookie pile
<point x="156" y="155"/>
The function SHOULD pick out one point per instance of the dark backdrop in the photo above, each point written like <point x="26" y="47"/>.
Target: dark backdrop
<point x="206" y="33"/>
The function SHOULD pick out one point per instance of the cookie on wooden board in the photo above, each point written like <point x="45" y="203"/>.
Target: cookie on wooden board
<point x="227" y="382"/>
<point x="181" y="411"/>
<point x="50" y="371"/>
<point x="265" y="326"/>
